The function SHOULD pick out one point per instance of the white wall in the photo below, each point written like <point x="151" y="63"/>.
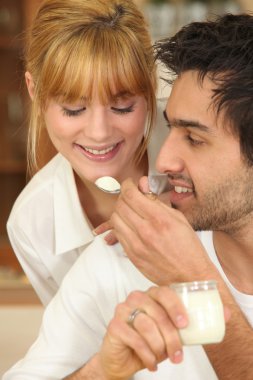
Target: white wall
<point x="19" y="327"/>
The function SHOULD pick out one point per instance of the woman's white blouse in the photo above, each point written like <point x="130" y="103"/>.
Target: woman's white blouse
<point x="47" y="227"/>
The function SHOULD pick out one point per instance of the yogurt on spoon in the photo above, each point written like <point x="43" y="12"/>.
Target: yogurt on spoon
<point x="108" y="184"/>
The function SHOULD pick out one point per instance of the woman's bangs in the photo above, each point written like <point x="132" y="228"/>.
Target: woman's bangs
<point x="115" y="77"/>
<point x="119" y="69"/>
<point x="93" y="65"/>
<point x="108" y="69"/>
<point x="66" y="73"/>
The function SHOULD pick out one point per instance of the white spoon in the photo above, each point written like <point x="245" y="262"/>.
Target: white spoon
<point x="158" y="183"/>
<point x="108" y="184"/>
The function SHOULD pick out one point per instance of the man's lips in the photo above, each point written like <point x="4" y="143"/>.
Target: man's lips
<point x="180" y="187"/>
<point x="179" y="192"/>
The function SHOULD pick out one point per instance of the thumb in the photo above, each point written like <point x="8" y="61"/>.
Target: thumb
<point x="143" y="185"/>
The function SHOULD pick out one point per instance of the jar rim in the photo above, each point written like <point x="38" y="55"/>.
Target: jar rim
<point x="194" y="285"/>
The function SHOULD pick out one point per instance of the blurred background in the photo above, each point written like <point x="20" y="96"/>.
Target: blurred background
<point x="20" y="309"/>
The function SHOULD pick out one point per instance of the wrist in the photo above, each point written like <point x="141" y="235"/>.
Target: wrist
<point x="92" y="370"/>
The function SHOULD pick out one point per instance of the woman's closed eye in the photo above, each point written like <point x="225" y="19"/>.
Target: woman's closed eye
<point x="73" y="112"/>
<point x="122" y="111"/>
<point x="76" y="112"/>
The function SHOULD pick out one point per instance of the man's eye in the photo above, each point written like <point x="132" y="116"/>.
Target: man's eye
<point x="69" y="112"/>
<point x="194" y="141"/>
<point x="122" y="111"/>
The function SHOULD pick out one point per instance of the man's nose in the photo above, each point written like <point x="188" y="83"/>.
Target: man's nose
<point x="170" y="159"/>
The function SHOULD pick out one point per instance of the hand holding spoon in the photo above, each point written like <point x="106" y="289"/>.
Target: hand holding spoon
<point x="157" y="183"/>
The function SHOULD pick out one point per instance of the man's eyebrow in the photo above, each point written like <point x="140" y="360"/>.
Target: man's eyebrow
<point x="186" y="123"/>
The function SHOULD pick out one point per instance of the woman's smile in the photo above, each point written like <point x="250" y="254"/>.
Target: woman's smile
<point x="99" y="154"/>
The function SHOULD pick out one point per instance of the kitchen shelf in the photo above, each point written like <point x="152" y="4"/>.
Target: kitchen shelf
<point x="15" y="17"/>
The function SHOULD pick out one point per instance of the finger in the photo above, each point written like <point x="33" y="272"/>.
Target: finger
<point x="132" y="338"/>
<point x="173" y="305"/>
<point x="151" y="196"/>
<point x="144" y="185"/>
<point x="136" y="237"/>
<point x="103" y="227"/>
<point x="124" y="219"/>
<point x="133" y="230"/>
<point x="148" y="225"/>
<point x="122" y="345"/>
<point x="146" y="326"/>
<point x="177" y="313"/>
<point x="156" y="327"/>
<point x="136" y="200"/>
<point x="126" y="214"/>
<point x="145" y="189"/>
<point x="143" y="206"/>
<point x="168" y="322"/>
<point x="111" y="238"/>
<point x="131" y="192"/>
<point x="127" y="236"/>
<point x="141" y="209"/>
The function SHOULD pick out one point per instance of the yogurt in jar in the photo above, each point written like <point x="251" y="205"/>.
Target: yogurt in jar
<point x="205" y="312"/>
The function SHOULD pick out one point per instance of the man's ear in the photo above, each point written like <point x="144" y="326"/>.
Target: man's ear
<point x="29" y="84"/>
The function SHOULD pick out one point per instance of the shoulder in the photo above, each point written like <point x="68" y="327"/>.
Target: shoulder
<point x="104" y="271"/>
<point x="206" y="238"/>
<point x="97" y="262"/>
<point x="95" y="279"/>
<point x="38" y="192"/>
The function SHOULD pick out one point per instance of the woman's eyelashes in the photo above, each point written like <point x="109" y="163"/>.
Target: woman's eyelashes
<point x="69" y="112"/>
<point x="124" y="110"/>
<point x="76" y="112"/>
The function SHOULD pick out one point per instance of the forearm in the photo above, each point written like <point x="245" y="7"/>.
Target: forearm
<point x="233" y="358"/>
<point x="92" y="370"/>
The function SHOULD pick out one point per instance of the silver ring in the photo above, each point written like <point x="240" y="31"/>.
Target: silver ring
<point x="133" y="315"/>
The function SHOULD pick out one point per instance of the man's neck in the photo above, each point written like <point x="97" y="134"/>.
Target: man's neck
<point x="235" y="254"/>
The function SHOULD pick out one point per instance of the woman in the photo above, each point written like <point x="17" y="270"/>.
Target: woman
<point x="91" y="77"/>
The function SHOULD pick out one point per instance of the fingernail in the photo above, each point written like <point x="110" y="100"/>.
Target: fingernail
<point x="94" y="233"/>
<point x="177" y="357"/>
<point x="108" y="240"/>
<point x="181" y="321"/>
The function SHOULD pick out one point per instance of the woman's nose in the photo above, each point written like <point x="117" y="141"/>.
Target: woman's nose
<point x="170" y="159"/>
<point x="98" y="127"/>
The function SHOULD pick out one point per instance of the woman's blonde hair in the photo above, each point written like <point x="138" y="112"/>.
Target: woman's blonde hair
<point x="73" y="45"/>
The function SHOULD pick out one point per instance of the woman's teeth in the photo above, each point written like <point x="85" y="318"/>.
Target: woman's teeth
<point x="179" y="190"/>
<point x="99" y="152"/>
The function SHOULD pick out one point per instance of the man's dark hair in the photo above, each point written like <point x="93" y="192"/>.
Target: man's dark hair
<point x="223" y="51"/>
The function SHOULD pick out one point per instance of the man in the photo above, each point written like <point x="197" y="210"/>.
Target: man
<point x="208" y="157"/>
<point x="96" y="318"/>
